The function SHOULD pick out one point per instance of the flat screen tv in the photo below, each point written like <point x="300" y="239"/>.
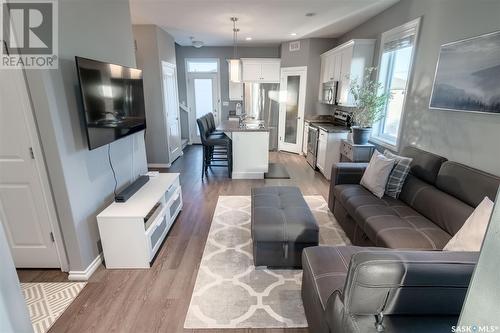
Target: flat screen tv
<point x="113" y="100"/>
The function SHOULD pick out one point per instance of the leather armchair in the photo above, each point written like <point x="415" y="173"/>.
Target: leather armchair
<point x="388" y="290"/>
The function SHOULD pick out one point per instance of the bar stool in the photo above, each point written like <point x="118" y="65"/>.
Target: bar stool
<point x="211" y="124"/>
<point x="216" y="147"/>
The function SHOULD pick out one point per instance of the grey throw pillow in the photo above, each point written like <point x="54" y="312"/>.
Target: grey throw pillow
<point x="398" y="175"/>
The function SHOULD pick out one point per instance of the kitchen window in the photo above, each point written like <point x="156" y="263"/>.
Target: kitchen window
<point x="394" y="71"/>
<point x="202" y="66"/>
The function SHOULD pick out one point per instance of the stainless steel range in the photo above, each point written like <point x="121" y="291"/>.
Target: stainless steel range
<point x="342" y="120"/>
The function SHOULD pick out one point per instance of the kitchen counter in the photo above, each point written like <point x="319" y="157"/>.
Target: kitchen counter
<point x="250" y="148"/>
<point x="329" y="127"/>
<point x="247" y="126"/>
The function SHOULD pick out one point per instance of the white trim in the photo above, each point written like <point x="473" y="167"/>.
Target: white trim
<point x="364" y="41"/>
<point x="165" y="65"/>
<point x="413" y="25"/>
<point x="247" y="175"/>
<point x="190" y="95"/>
<point x="43" y="175"/>
<point x="87" y="273"/>
<point x="284" y="73"/>
<point x="385" y="144"/>
<point x="159" y="165"/>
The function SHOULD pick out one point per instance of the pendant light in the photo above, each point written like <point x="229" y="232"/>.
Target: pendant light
<point x="234" y="62"/>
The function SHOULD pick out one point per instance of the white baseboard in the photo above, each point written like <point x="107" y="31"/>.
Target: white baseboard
<point x="159" y="165"/>
<point x="87" y="273"/>
<point x="247" y="175"/>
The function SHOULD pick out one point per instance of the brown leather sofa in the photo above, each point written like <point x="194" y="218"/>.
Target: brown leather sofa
<point x="403" y="284"/>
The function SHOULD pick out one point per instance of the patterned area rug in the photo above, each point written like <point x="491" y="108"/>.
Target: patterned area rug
<point x="230" y="292"/>
<point x="47" y="301"/>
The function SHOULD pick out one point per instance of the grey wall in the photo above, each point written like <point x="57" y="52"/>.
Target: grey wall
<point x="14" y="317"/>
<point x="464" y="137"/>
<point x="81" y="180"/>
<point x="221" y="53"/>
<point x="309" y="55"/>
<point x="154" y="45"/>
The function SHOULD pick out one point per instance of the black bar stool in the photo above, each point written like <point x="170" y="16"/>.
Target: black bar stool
<point x="217" y="147"/>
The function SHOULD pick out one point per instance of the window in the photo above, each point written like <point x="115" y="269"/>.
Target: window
<point x="202" y="66"/>
<point x="395" y="63"/>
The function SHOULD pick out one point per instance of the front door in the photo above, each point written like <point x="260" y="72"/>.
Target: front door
<point x="292" y="103"/>
<point x="171" y="102"/>
<point x="26" y="208"/>
<point x="203" y="88"/>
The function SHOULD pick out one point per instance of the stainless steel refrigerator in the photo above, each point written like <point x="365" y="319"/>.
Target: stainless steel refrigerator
<point x="261" y="103"/>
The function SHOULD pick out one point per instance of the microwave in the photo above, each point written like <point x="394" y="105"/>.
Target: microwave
<point x="329" y="92"/>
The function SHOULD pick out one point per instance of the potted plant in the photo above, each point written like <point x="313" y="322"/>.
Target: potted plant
<point x="369" y="105"/>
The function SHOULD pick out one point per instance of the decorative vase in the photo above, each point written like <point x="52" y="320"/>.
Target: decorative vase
<point x="361" y="135"/>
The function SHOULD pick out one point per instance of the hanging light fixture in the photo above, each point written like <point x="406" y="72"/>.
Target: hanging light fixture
<point x="234" y="62"/>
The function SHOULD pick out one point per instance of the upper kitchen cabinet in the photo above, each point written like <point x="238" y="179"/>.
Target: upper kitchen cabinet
<point x="235" y="88"/>
<point x="345" y="62"/>
<point x="261" y="70"/>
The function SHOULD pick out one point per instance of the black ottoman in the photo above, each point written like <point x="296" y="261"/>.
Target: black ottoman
<point x="282" y="225"/>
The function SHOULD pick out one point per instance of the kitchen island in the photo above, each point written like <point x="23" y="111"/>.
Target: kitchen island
<point x="250" y="140"/>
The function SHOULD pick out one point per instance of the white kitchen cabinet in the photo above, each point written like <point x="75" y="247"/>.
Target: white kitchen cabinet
<point x="322" y="147"/>
<point x="345" y="62"/>
<point x="305" y="138"/>
<point x="235" y="91"/>
<point x="263" y="70"/>
<point x="235" y="88"/>
<point x="330" y="67"/>
<point x="329" y="145"/>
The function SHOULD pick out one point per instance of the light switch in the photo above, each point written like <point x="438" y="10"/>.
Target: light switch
<point x="225" y="103"/>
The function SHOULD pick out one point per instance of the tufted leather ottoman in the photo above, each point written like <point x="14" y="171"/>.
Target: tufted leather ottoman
<point x="282" y="225"/>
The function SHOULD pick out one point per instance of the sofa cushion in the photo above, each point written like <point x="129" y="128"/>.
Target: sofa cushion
<point x="390" y="222"/>
<point x="467" y="184"/>
<point x="327" y="268"/>
<point x="424" y="165"/>
<point x="441" y="208"/>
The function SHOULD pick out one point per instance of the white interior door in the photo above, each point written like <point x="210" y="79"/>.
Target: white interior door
<point x="292" y="104"/>
<point x="26" y="209"/>
<point x="171" y="104"/>
<point x="203" y="88"/>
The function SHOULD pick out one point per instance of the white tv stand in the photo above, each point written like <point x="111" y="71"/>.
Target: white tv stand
<point x="130" y="239"/>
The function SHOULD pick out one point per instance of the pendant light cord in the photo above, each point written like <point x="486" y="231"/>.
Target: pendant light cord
<point x="235" y="37"/>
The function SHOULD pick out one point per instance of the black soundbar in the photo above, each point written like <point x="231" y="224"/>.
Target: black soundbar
<point x="129" y="191"/>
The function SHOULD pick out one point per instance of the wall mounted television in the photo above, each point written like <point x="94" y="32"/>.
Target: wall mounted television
<point x="113" y="100"/>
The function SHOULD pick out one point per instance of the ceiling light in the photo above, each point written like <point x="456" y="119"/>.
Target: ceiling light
<point x="234" y="63"/>
<point x="293" y="34"/>
<point x="248" y="38"/>
<point x="196" y="43"/>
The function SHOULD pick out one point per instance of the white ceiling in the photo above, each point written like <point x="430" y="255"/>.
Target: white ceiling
<point x="268" y="22"/>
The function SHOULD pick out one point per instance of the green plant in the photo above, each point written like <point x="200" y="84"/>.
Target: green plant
<point x="369" y="104"/>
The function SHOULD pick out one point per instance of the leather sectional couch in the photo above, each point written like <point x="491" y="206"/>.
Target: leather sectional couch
<point x="395" y="279"/>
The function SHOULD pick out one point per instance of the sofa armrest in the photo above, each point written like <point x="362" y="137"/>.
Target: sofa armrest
<point x="408" y="283"/>
<point x="347" y="173"/>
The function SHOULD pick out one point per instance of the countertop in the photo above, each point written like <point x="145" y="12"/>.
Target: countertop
<point x="329" y="127"/>
<point x="248" y="126"/>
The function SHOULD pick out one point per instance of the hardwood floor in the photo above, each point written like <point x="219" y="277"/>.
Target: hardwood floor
<point x="157" y="299"/>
